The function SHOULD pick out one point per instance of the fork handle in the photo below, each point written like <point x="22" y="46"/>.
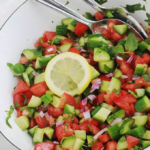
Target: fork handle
<point x="64" y="10"/>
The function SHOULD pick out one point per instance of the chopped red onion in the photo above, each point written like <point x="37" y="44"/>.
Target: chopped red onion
<point x="109" y="75"/>
<point x="119" y="58"/>
<point x="100" y="133"/>
<point x="42" y="114"/>
<point x="130" y="59"/>
<point x="50" y="49"/>
<point x="84" y="101"/>
<point x="91" y="97"/>
<point x="82" y="110"/>
<point x="75" y="44"/>
<point x="59" y="52"/>
<point x="59" y="123"/>
<point x="87" y="115"/>
<point x="35" y="73"/>
<point x="116" y="121"/>
<point x="124" y="77"/>
<point x="88" y="60"/>
<point x="139" y="114"/>
<point x="56" y="142"/>
<point x="96" y="85"/>
<point x="135" y="77"/>
<point x="82" y="50"/>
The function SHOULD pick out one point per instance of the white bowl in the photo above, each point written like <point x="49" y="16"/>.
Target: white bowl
<point x="21" y="31"/>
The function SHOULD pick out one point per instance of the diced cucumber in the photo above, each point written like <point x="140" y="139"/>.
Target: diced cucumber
<point x="118" y="73"/>
<point x="88" y="16"/>
<point x="32" y="130"/>
<point x="95" y="110"/>
<point x="72" y="25"/>
<point x="66" y="21"/>
<point x="109" y="14"/>
<point x="22" y="122"/>
<point x="48" y="131"/>
<point x="102" y="115"/>
<point x="106" y="66"/>
<point x="72" y="35"/>
<point x="90" y="140"/>
<point x="118" y="114"/>
<point x="140" y="120"/>
<point x="49" y="92"/>
<point x="80" y="134"/>
<point x="104" y="86"/>
<point x="68" y="142"/>
<point x="148" y="71"/>
<point x="78" y="143"/>
<point x="143" y="104"/>
<point x="95" y="73"/>
<point x="29" y="71"/>
<point x="61" y="30"/>
<point x="82" y="41"/>
<point x="38" y="135"/>
<point x="126" y="125"/>
<point x="57" y="39"/>
<point x="77" y="112"/>
<point x="56" y="101"/>
<point x="114" y="84"/>
<point x="101" y="55"/>
<point x="36" y="114"/>
<point x="122" y="144"/>
<point x="137" y="132"/>
<point x="140" y="69"/>
<point x="65" y="47"/>
<point x="140" y="92"/>
<point x="114" y="132"/>
<point x="121" y="29"/>
<point x="68" y="109"/>
<point x="46" y="98"/>
<point x="142" y="46"/>
<point x="60" y="118"/>
<point x="37" y="63"/>
<point x="31" y="54"/>
<point x="39" y="78"/>
<point x="147" y="89"/>
<point x="110" y="107"/>
<point x="82" y="120"/>
<point x="26" y="78"/>
<point x="29" y="110"/>
<point x="44" y="60"/>
<point x="34" y="101"/>
<point x="146" y="135"/>
<point x="145" y="144"/>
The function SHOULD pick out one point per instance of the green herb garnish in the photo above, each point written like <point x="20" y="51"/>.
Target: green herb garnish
<point x="9" y="113"/>
<point x="106" y="68"/>
<point x="101" y="1"/>
<point x="25" y="101"/>
<point x="116" y="91"/>
<point x="16" y="105"/>
<point x="146" y="78"/>
<point x="67" y="3"/>
<point x="148" y="18"/>
<point x="137" y="86"/>
<point x="66" y="129"/>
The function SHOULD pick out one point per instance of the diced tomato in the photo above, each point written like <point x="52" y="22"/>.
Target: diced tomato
<point x="61" y="132"/>
<point x="75" y="120"/>
<point x="94" y="129"/>
<point x="130" y="53"/>
<point x="51" y="120"/>
<point x="42" y="122"/>
<point x="70" y="119"/>
<point x="97" y="146"/>
<point x="74" y="50"/>
<point x="55" y="112"/>
<point x="120" y="61"/>
<point x="50" y="50"/>
<point x="67" y="99"/>
<point x="23" y="60"/>
<point x="32" y="123"/>
<point x="146" y="58"/>
<point x="100" y="98"/>
<point x="141" y="83"/>
<point x="49" y="35"/>
<point x="110" y="24"/>
<point x="39" y="89"/>
<point x="105" y="33"/>
<point x="80" y="105"/>
<point x="80" y="29"/>
<point x="132" y="110"/>
<point x="132" y="141"/>
<point x="147" y="127"/>
<point x="21" y="87"/>
<point x="98" y="15"/>
<point x="91" y="57"/>
<point x="41" y="42"/>
<point x="123" y="81"/>
<point x="116" y="36"/>
<point x="137" y="60"/>
<point x="18" y="99"/>
<point x="104" y="138"/>
<point x="45" y="146"/>
<point x="94" y="122"/>
<point x="111" y="145"/>
<point x="65" y="41"/>
<point x="104" y="78"/>
<point x="128" y="86"/>
<point x="75" y="126"/>
<point x="19" y="113"/>
<point x="84" y="126"/>
<point x="33" y="63"/>
<point x="102" y="126"/>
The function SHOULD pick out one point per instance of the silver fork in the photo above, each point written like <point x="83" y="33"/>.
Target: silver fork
<point x="93" y="25"/>
<point x="122" y="14"/>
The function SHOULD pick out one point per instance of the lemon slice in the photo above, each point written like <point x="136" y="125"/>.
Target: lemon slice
<point x="68" y="72"/>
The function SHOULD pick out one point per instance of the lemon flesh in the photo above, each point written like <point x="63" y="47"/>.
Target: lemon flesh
<point x="68" y="72"/>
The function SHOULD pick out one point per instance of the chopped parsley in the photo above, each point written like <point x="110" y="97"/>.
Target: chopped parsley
<point x="148" y="18"/>
<point x="67" y="3"/>
<point x="137" y="86"/>
<point x="101" y="1"/>
<point x="134" y="7"/>
<point x="116" y="91"/>
<point x="16" y="105"/>
<point x="9" y="113"/>
<point x="146" y="78"/>
<point x="106" y="68"/>
<point x="66" y="129"/>
<point x="25" y="101"/>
